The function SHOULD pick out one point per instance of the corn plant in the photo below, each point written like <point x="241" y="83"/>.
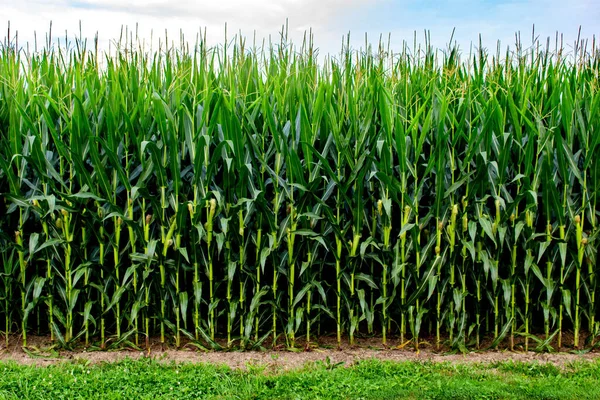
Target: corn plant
<point x="225" y="196"/>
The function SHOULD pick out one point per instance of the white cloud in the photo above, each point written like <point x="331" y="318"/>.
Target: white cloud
<point x="107" y="17"/>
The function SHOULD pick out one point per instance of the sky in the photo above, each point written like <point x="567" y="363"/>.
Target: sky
<point x="329" y="20"/>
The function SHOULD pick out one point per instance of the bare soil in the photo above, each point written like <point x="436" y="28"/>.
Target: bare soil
<point x="42" y="352"/>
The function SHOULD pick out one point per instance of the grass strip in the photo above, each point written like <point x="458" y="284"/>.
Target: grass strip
<point x="371" y="379"/>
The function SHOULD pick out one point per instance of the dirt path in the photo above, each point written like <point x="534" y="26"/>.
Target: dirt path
<point x="42" y="355"/>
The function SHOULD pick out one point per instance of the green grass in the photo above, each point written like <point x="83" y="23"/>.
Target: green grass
<point x="148" y="379"/>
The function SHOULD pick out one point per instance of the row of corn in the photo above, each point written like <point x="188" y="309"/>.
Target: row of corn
<point x="262" y="194"/>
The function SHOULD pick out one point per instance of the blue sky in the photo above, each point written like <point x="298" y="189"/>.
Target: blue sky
<point x="329" y="19"/>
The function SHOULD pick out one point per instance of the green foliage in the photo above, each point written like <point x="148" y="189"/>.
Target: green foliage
<point x="258" y="195"/>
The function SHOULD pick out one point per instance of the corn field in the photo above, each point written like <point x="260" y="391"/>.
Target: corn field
<point x="255" y="195"/>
